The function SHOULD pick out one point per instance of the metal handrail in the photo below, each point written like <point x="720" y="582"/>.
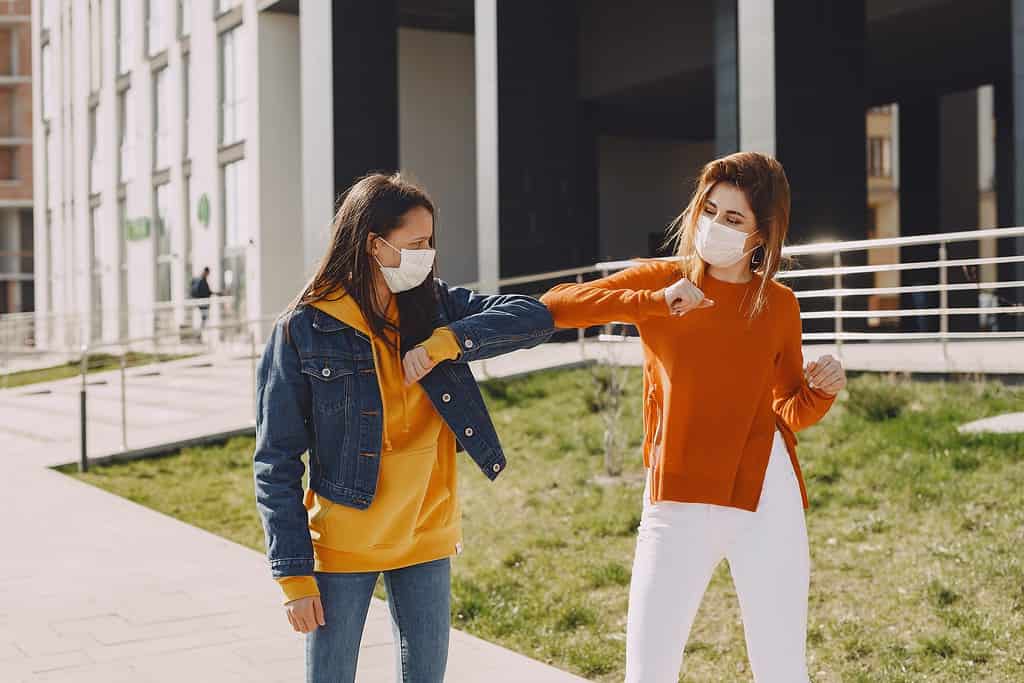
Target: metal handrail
<point x="814" y="248"/>
<point x="86" y="349"/>
<point x="78" y="315"/>
<point x="909" y="241"/>
<point x="908" y="289"/>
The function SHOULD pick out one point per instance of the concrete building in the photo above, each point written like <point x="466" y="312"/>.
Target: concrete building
<point x="175" y="135"/>
<point x="16" y="232"/>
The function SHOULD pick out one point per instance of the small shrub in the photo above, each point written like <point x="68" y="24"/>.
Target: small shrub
<point x="575" y="616"/>
<point x="942" y="596"/>
<point x="611" y="574"/>
<point x="940" y="646"/>
<point x="877" y="400"/>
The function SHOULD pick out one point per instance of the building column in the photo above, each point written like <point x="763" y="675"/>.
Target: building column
<point x="365" y="88"/>
<point x="487" y="167"/>
<point x="727" y="85"/>
<point x="317" y="129"/>
<point x="920" y="208"/>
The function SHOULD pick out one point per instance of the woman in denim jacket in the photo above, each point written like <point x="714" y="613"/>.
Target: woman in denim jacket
<point x="368" y="371"/>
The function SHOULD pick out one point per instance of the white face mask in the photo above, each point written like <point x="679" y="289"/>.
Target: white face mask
<point x="719" y="245"/>
<point x="413" y="268"/>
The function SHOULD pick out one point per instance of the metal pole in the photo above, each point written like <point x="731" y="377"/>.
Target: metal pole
<point x="8" y="343"/>
<point x="252" y="369"/>
<point x="124" y="401"/>
<point x="837" y="284"/>
<point x="83" y="463"/>
<point x="581" y="333"/>
<point x="944" y="303"/>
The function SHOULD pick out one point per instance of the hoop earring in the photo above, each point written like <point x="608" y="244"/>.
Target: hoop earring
<point x="757" y="258"/>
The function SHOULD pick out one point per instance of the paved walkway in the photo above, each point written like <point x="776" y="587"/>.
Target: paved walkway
<point x="1010" y="423"/>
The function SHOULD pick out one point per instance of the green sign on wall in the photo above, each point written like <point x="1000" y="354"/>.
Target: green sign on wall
<point x="203" y="210"/>
<point x="136" y="228"/>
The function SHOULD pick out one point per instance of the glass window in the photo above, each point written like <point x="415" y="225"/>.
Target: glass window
<point x="186" y="79"/>
<point x="49" y="11"/>
<point x="225" y="5"/>
<point x="47" y="76"/>
<point x="8" y="163"/>
<point x="8" y="51"/>
<point x="95" y="181"/>
<point x="164" y="257"/>
<point x="879" y="157"/>
<point x="96" y="275"/>
<point x="161" y="135"/>
<point x="230" y="89"/>
<point x="125" y="35"/>
<point x="126" y="123"/>
<point x="184" y="17"/>
<point x="95" y="45"/>
<point x="187" y="228"/>
<point x="8" y="114"/>
<point x="234" y="187"/>
<point x="155" y="26"/>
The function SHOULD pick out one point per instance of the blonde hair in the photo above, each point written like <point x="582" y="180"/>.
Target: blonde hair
<point x="763" y="181"/>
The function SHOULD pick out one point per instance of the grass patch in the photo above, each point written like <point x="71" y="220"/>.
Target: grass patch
<point x="915" y="533"/>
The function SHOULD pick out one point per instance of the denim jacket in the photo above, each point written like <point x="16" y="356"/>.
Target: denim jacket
<point x="320" y="393"/>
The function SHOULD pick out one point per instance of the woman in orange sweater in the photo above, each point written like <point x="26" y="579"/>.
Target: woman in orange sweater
<point x="725" y="388"/>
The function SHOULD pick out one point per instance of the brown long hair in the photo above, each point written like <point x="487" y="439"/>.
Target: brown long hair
<point x="763" y="181"/>
<point x="377" y="204"/>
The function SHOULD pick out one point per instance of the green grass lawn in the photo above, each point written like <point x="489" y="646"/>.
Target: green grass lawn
<point x="99" y="362"/>
<point x="916" y="533"/>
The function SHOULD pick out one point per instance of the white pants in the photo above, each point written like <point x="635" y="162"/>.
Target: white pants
<point x="678" y="547"/>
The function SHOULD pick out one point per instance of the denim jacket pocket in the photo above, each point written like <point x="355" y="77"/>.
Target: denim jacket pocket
<point x="331" y="383"/>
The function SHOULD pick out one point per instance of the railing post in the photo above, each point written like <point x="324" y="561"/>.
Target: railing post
<point x="252" y="368"/>
<point x="8" y="343"/>
<point x="837" y="284"/>
<point x="83" y="462"/>
<point x="944" y="303"/>
<point x="581" y="333"/>
<point x="124" y="400"/>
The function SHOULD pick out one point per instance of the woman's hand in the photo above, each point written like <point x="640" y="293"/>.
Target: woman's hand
<point x="305" y="614"/>
<point x="417" y="364"/>
<point x="683" y="296"/>
<point x="826" y="374"/>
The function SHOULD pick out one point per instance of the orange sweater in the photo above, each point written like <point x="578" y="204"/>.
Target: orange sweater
<point x="415" y="515"/>
<point x="716" y="384"/>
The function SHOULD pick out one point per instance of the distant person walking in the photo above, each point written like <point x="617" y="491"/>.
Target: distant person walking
<point x="200" y="289"/>
<point x="725" y="388"/>
<point x="368" y="370"/>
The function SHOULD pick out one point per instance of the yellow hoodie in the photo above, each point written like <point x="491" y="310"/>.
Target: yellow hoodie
<point x="414" y="516"/>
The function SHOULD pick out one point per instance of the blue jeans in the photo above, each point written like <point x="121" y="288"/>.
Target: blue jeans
<point x="418" y="597"/>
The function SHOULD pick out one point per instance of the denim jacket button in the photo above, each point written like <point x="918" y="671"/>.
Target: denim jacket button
<point x="496" y="467"/>
<point x="447" y="398"/>
<point x="469" y="431"/>
<point x="469" y="343"/>
<point x="326" y="372"/>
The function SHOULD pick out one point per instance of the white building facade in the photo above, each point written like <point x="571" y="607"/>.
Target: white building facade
<point x="148" y="162"/>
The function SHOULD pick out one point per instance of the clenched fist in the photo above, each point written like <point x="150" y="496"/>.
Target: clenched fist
<point x="417" y="364"/>
<point x="826" y="374"/>
<point x="683" y="296"/>
<point x="305" y="614"/>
